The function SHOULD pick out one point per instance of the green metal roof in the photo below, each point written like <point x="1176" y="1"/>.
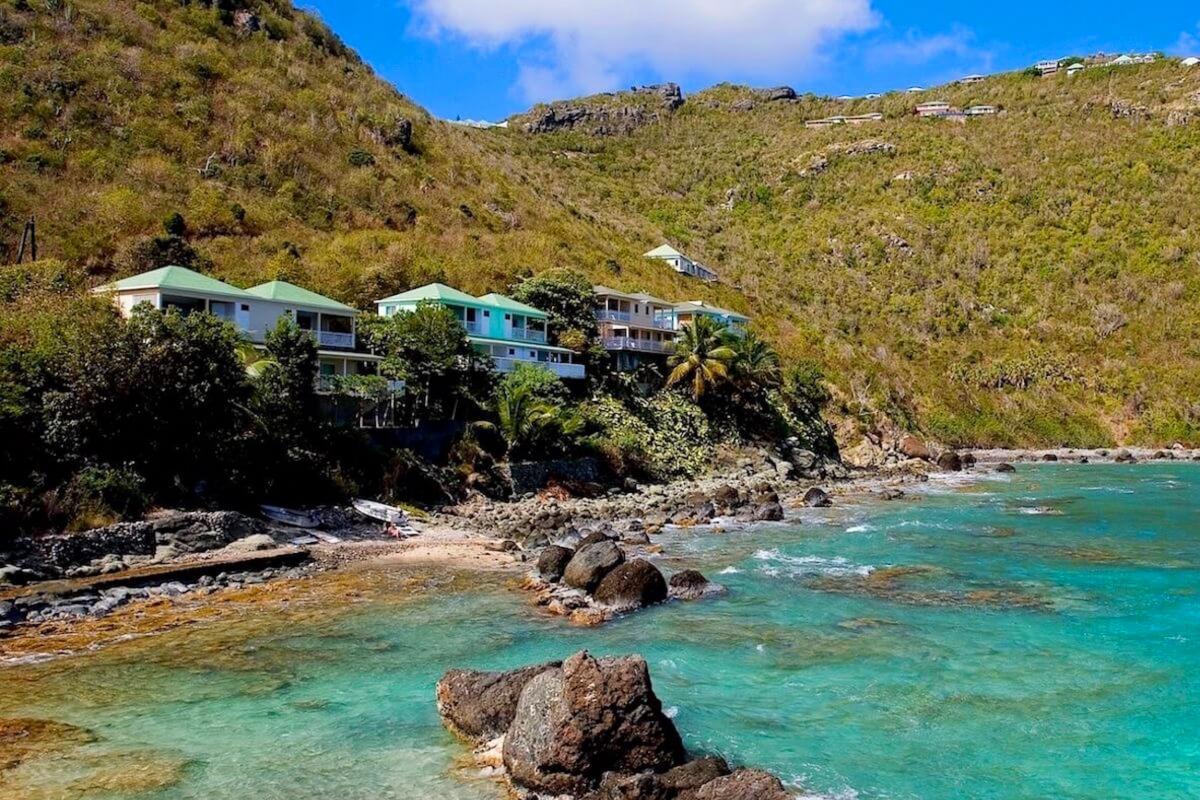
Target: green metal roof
<point x="663" y="251"/>
<point x="178" y="278"/>
<point x="508" y="304"/>
<point x="519" y="343"/>
<point x="701" y="307"/>
<point x="438" y="292"/>
<point x="284" y="292"/>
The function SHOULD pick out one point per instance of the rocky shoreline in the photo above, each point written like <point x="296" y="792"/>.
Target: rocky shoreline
<point x="532" y="530"/>
<point x="586" y="728"/>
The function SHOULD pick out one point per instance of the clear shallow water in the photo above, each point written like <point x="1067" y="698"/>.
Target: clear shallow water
<point x="1035" y="635"/>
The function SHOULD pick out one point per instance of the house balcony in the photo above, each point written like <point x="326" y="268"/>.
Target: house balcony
<point x="527" y="335"/>
<point x="640" y="345"/>
<point x="605" y="315"/>
<point x="559" y="368"/>
<point x="475" y="327"/>
<point x="335" y="340"/>
<point x="663" y="324"/>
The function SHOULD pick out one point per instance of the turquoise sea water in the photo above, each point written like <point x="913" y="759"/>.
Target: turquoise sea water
<point x="1034" y="635"/>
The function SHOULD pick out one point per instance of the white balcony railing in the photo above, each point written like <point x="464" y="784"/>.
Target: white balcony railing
<point x="475" y="327"/>
<point x="561" y="369"/>
<point x="604" y="315"/>
<point x="342" y="341"/>
<point x="527" y="335"/>
<point x="641" y="345"/>
<point x="663" y="324"/>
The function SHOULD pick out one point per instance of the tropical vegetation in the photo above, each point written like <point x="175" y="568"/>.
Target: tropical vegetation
<point x="1027" y="278"/>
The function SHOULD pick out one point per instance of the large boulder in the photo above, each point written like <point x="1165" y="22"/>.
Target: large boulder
<point x="685" y="779"/>
<point x="553" y="562"/>
<point x="949" y="461"/>
<point x="588" y="717"/>
<point x="690" y="584"/>
<point x="912" y="447"/>
<point x="481" y="705"/>
<point x="816" y="497"/>
<point x="744" y="784"/>
<point x="590" y="564"/>
<point x="634" y="584"/>
<point x="769" y="511"/>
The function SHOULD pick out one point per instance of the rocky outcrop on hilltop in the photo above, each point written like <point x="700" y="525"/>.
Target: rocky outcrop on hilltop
<point x="607" y="114"/>
<point x="589" y="728"/>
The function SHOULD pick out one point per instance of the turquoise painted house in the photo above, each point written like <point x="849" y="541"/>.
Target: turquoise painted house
<point x="508" y="331"/>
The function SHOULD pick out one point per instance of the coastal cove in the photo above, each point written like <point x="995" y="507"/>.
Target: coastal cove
<point x="987" y="635"/>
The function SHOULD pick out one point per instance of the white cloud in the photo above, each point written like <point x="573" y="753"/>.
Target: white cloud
<point x="1188" y="43"/>
<point x="593" y="45"/>
<point x="917" y="49"/>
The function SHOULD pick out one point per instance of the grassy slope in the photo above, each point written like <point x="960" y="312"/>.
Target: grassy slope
<point x="1029" y="235"/>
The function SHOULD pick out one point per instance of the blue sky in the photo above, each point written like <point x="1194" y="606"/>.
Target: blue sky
<point x="486" y="59"/>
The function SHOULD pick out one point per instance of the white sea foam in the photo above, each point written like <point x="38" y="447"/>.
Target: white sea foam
<point x="863" y="528"/>
<point x="800" y="566"/>
<point x="730" y="571"/>
<point x="671" y="712"/>
<point x="1039" y="511"/>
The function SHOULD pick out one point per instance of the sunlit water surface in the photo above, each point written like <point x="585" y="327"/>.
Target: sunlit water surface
<point x="1034" y="635"/>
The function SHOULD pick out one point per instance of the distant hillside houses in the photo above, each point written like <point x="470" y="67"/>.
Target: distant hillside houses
<point x="681" y="263"/>
<point x="858" y="119"/>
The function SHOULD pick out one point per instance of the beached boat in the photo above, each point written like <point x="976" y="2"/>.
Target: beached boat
<point x="381" y="512"/>
<point x="290" y="516"/>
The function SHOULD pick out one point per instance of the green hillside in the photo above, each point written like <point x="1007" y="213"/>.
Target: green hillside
<point x="1028" y="278"/>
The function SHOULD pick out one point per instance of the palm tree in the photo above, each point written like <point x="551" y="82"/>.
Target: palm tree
<point x="530" y="423"/>
<point x="755" y="364"/>
<point x="702" y="356"/>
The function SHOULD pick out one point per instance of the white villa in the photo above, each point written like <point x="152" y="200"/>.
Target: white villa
<point x="936" y="108"/>
<point x="980" y="111"/>
<point x="681" y="263"/>
<point x="1048" y="67"/>
<point x="634" y="325"/>
<point x="252" y="311"/>
<point x="969" y="79"/>
<point x="1190" y="61"/>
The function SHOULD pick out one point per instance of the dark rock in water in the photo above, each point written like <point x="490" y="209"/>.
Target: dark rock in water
<point x="553" y="561"/>
<point x="642" y="786"/>
<point x="1084" y="460"/>
<point x="481" y="705"/>
<point x="950" y="461"/>
<point x="967" y="459"/>
<point x="590" y="564"/>
<point x="634" y="584"/>
<point x="1049" y="457"/>
<point x="589" y="717"/>
<point x="1163" y="455"/>
<point x="689" y="585"/>
<point x="744" y="784"/>
<point x="1004" y="466"/>
<point x="694" y="774"/>
<point x="892" y="494"/>
<point x="1124" y="457"/>
<point x="816" y="497"/>
<point x="767" y="512"/>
